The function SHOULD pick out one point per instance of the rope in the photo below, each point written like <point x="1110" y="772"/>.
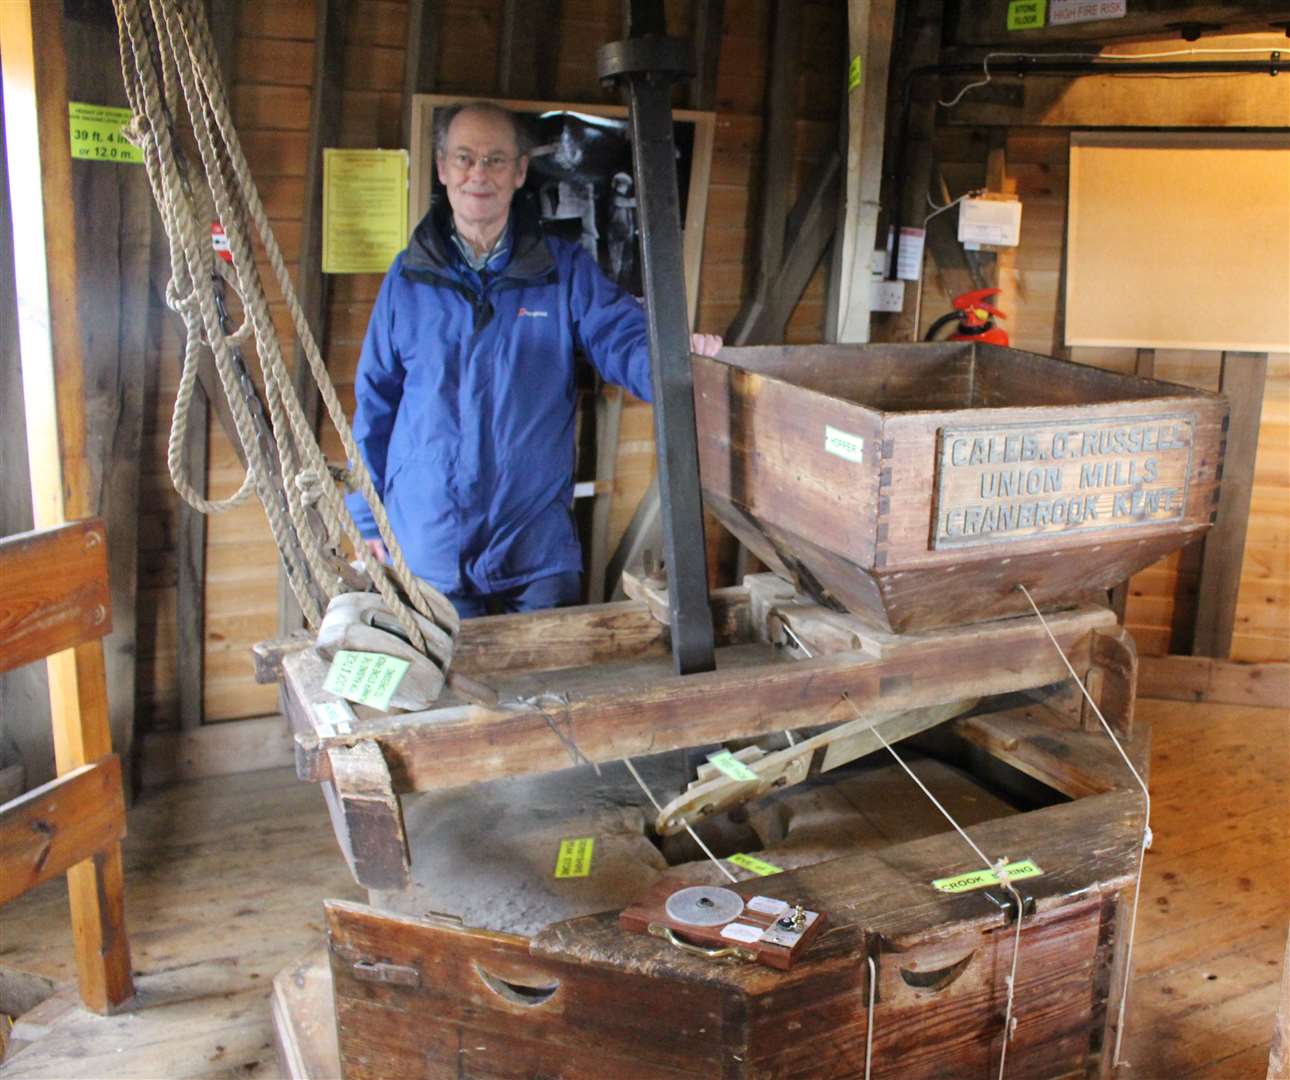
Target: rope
<point x="868" y="1035"/>
<point x="1146" y="826"/>
<point x="165" y="55"/>
<point x="995" y="868"/>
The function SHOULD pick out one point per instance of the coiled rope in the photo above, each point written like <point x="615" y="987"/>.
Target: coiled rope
<point x="167" y="54"/>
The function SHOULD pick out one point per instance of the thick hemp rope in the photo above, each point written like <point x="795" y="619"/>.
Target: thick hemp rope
<point x="167" y="54"/>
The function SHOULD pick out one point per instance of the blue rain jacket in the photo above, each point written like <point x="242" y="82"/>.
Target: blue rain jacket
<point x="465" y="400"/>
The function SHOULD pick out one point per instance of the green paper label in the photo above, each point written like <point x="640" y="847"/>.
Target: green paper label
<point x="574" y="858"/>
<point x="983" y="879"/>
<point x="96" y="133"/>
<point x="1026" y="14"/>
<point x="853" y="74"/>
<point x="757" y="866"/>
<point x="366" y="677"/>
<point x="726" y="763"/>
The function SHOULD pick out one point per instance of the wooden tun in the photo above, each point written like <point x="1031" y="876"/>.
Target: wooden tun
<point x="919" y="485"/>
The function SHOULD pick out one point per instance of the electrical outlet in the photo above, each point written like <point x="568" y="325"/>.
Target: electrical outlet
<point x="886" y="295"/>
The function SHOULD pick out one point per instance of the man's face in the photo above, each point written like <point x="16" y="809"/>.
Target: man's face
<point x="481" y="169"/>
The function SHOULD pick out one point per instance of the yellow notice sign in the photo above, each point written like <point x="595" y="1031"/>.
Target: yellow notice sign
<point x="96" y="133"/>
<point x="983" y="879"/>
<point x="757" y="866"/>
<point x="365" y="210"/>
<point x="574" y="858"/>
<point x="366" y="677"/>
<point x="1026" y="14"/>
<point x="853" y="74"/>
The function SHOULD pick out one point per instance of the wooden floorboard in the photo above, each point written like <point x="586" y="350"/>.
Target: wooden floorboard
<point x="225" y="877"/>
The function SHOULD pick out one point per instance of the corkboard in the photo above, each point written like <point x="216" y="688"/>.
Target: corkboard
<point x="1179" y="241"/>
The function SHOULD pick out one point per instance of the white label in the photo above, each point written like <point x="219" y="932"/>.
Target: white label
<point x="767" y="905"/>
<point x="909" y="259"/>
<point x="1064" y="12"/>
<point x="738" y="931"/>
<point x="335" y="715"/>
<point x="843" y="444"/>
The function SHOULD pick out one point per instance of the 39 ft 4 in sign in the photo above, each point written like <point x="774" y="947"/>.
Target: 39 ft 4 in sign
<point x="96" y="133"/>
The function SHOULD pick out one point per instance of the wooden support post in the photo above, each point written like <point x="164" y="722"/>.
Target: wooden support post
<point x="707" y="22"/>
<point x="421" y="60"/>
<point x="33" y="60"/>
<point x="776" y="167"/>
<point x="920" y="45"/>
<point x="311" y="282"/>
<point x="1242" y="380"/>
<point x="373" y="838"/>
<point x="609" y="414"/>
<point x="528" y="49"/>
<point x="190" y="541"/>
<point x="1144" y="368"/>
<point x="871" y="24"/>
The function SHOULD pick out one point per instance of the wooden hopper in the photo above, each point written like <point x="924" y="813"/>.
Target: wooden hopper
<point x="920" y="485"/>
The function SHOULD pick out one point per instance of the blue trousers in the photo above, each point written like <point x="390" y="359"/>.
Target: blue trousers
<point x="558" y="590"/>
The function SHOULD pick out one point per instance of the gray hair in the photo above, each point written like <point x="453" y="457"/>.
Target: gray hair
<point x="444" y="117"/>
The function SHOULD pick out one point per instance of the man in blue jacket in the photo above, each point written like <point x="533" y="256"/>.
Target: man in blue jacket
<point x="465" y="390"/>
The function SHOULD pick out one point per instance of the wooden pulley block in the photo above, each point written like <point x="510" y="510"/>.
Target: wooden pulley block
<point x="360" y="622"/>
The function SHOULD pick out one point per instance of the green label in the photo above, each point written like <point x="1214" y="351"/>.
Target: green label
<point x="1026" y="14"/>
<point x="853" y="74"/>
<point x="983" y="879"/>
<point x="757" y="866"/>
<point x="96" y="133"/>
<point x="574" y="858"/>
<point x="366" y="677"/>
<point x="729" y="765"/>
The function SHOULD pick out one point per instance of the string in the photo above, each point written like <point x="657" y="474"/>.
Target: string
<point x="688" y="828"/>
<point x="1146" y="825"/>
<point x="995" y="868"/>
<point x="868" y="1035"/>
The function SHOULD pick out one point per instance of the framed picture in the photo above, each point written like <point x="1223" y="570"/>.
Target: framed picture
<point x="580" y="171"/>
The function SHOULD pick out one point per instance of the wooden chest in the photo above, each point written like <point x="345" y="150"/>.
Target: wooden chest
<point x="918" y="485"/>
<point x="423" y="995"/>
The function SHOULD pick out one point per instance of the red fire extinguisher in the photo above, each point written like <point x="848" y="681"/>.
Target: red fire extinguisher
<point x="975" y="316"/>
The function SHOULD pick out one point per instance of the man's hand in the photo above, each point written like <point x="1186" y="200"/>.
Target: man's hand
<point x="705" y="344"/>
<point x="378" y="550"/>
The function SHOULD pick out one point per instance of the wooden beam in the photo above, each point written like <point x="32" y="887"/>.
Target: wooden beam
<point x="1202" y="678"/>
<point x="609" y="414"/>
<point x="871" y="24"/>
<point x="527" y="50"/>
<point x="372" y="819"/>
<point x="1242" y="380"/>
<point x="549" y="721"/>
<point x="776" y="166"/>
<point x="1144" y="368"/>
<point x="55" y="593"/>
<point x="330" y="17"/>
<point x="920" y="45"/>
<point x="420" y="60"/>
<point x="985" y="22"/>
<point x="190" y="539"/>
<point x="707" y="23"/>
<point x="33" y="61"/>
<point x="48" y="830"/>
<point x="1109" y="101"/>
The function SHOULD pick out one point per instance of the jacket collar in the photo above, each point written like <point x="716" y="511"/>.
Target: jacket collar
<point x="431" y="249"/>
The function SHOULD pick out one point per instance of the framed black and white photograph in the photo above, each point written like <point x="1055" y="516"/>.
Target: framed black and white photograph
<point x="580" y="171"/>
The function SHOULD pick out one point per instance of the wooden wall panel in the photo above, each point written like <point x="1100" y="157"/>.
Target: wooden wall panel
<point x="271" y="92"/>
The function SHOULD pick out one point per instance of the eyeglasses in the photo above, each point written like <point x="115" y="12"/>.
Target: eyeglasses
<point x="464" y="161"/>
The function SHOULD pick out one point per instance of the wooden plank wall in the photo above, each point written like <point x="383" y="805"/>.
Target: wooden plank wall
<point x="1162" y="599"/>
<point x="271" y="96"/>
